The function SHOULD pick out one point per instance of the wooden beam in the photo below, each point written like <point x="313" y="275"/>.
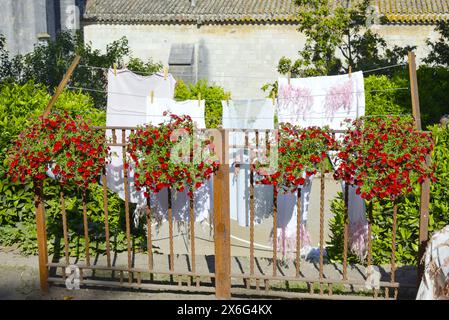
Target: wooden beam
<point x="222" y="232"/>
<point x="41" y="237"/>
<point x="425" y="187"/>
<point x="414" y="89"/>
<point x="61" y="85"/>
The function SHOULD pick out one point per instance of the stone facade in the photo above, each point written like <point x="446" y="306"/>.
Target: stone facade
<point x="24" y="21"/>
<point x="240" y="57"/>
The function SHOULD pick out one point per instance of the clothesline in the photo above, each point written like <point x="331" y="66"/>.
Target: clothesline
<point x="215" y="117"/>
<point x="240" y="76"/>
<point x="219" y="100"/>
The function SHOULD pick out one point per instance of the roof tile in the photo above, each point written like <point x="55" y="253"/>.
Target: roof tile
<point x="221" y="11"/>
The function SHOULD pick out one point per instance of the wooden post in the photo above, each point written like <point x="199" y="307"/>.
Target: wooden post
<point x="222" y="221"/>
<point x="41" y="237"/>
<point x="425" y="188"/>
<point x="62" y="85"/>
<point x="414" y="89"/>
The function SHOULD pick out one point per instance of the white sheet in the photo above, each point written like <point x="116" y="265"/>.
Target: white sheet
<point x="247" y="114"/>
<point x="328" y="101"/>
<point x="202" y="196"/>
<point x="126" y="107"/>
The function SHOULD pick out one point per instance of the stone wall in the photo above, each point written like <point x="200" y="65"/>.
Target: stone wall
<point x="23" y="20"/>
<point x="241" y="58"/>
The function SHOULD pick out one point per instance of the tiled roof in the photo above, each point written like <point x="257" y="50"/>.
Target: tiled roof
<point x="413" y="11"/>
<point x="246" y="11"/>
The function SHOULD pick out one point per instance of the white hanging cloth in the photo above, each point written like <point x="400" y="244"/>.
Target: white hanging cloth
<point x="193" y="108"/>
<point x="203" y="196"/>
<point x="435" y="282"/>
<point x="328" y="101"/>
<point x="239" y="115"/>
<point x="126" y="107"/>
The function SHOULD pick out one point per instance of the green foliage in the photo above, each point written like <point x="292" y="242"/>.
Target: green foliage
<point x="19" y="104"/>
<point x="338" y="27"/>
<point x="433" y="85"/>
<point x="47" y="63"/>
<point x="382" y="99"/>
<point x="439" y="50"/>
<point x="213" y="95"/>
<point x="408" y="214"/>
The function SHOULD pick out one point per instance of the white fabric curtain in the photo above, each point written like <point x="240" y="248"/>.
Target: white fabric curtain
<point x="126" y="107"/>
<point x="328" y="101"/>
<point x="203" y="196"/>
<point x="239" y="115"/>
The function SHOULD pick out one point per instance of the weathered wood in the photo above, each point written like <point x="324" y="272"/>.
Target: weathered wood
<point x="170" y="231"/>
<point x="414" y="89"/>
<point x="322" y="228"/>
<point x="62" y="85"/>
<point x="64" y="228"/>
<point x="425" y="187"/>
<point x="127" y="219"/>
<point x="298" y="233"/>
<point x="86" y="228"/>
<point x="345" y="235"/>
<point x="423" y="224"/>
<point x="222" y="221"/>
<point x="106" y="218"/>
<point x="41" y="237"/>
<point x="149" y="236"/>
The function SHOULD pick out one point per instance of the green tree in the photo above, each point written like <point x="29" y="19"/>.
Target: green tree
<point x="439" y="50"/>
<point x="211" y="93"/>
<point x="47" y="64"/>
<point x="338" y="36"/>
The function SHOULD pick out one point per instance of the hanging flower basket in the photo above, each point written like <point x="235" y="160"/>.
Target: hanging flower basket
<point x="171" y="155"/>
<point x="61" y="147"/>
<point x="301" y="152"/>
<point x="384" y="157"/>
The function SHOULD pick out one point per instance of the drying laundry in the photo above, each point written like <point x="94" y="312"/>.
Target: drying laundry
<point x="435" y="282"/>
<point x="240" y="115"/>
<point x="129" y="105"/>
<point x="155" y="109"/>
<point x="321" y="101"/>
<point x="328" y="101"/>
<point x="126" y="107"/>
<point x="202" y="196"/>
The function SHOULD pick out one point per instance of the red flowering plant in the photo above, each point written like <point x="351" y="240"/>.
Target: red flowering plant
<point x="300" y="154"/>
<point x="384" y="156"/>
<point x="60" y="146"/>
<point x="171" y="155"/>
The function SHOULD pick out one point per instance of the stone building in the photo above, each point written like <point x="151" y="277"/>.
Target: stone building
<point x="26" y="22"/>
<point x="236" y="43"/>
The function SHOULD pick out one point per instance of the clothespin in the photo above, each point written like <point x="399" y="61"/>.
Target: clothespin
<point x="115" y="69"/>
<point x="152" y="96"/>
<point x="199" y="99"/>
<point x="273" y="97"/>
<point x="165" y="73"/>
<point x="289" y="75"/>
<point x="350" y="71"/>
<point x="227" y="100"/>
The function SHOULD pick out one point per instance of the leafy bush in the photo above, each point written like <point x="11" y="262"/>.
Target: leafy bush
<point x="381" y="98"/>
<point x="408" y="214"/>
<point x="213" y="95"/>
<point x="47" y="63"/>
<point x="20" y="104"/>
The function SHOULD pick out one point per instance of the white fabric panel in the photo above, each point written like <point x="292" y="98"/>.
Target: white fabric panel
<point x="328" y="101"/>
<point x="321" y="101"/>
<point x="247" y="114"/>
<point x="203" y="195"/>
<point x="193" y="108"/>
<point x="126" y="107"/>
<point x="436" y="271"/>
